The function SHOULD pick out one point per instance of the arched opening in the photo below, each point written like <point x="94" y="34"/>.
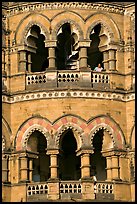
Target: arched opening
<point x="95" y="56"/>
<point x="66" y="56"/>
<point x="97" y="161"/>
<point x="37" y="143"/>
<point x="39" y="53"/>
<point x="69" y="163"/>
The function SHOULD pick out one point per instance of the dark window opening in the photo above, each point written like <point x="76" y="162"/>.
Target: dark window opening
<point x="95" y="57"/>
<point x="98" y="162"/>
<point x="37" y="143"/>
<point x="39" y="57"/>
<point x="69" y="163"/>
<point x="66" y="56"/>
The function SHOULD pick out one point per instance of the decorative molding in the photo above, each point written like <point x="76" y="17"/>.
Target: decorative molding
<point x="27" y="7"/>
<point x="49" y="94"/>
<point x="30" y="131"/>
<point x="84" y="131"/>
<point x="73" y="23"/>
<point x="3" y="143"/>
<point x="75" y="128"/>
<point x="105" y="127"/>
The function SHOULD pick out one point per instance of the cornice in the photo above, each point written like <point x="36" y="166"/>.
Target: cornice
<point x="51" y="94"/>
<point x="15" y="9"/>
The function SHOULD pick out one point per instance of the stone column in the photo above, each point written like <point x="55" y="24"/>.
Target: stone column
<point x="86" y="180"/>
<point x="23" y="168"/>
<point x="53" y="182"/>
<point x="22" y="60"/>
<point x="82" y="47"/>
<point x="115" y="167"/>
<point x="51" y="44"/>
<point x="53" y="163"/>
<point x="112" y="59"/>
<point x="108" y="168"/>
<point x="30" y="169"/>
<point x="105" y="60"/>
<point x="52" y="58"/>
<point x="5" y="169"/>
<point x="124" y="167"/>
<point x="29" y="62"/>
<point x="83" y="58"/>
<point x="85" y="163"/>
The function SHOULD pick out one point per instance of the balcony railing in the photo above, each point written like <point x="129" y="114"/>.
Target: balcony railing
<point x="32" y="79"/>
<point x="100" y="80"/>
<point x="104" y="190"/>
<point x="69" y="189"/>
<point x="65" y="78"/>
<point x="37" y="188"/>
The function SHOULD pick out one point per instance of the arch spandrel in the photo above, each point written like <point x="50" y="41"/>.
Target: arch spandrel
<point x="26" y="24"/>
<point x="107" y="22"/>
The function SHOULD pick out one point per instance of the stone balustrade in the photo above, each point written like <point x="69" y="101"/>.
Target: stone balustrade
<point x="37" y="188"/>
<point x="100" y="80"/>
<point x="70" y="187"/>
<point x="102" y="187"/>
<point x="38" y="78"/>
<point x="67" y="78"/>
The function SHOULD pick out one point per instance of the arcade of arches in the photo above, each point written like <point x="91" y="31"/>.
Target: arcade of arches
<point x="68" y="162"/>
<point x="65" y="53"/>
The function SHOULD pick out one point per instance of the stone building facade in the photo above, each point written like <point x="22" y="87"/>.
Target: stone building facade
<point x="63" y="122"/>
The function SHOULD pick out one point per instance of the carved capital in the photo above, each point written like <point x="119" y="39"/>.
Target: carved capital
<point x="84" y="151"/>
<point x="50" y="43"/>
<point x="52" y="151"/>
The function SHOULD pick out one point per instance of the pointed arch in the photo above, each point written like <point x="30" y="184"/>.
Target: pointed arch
<point x="110" y="126"/>
<point x="107" y="22"/>
<point x="24" y="27"/>
<point x="76" y="124"/>
<point x="27" y="128"/>
<point x="77" y="131"/>
<point x="75" y="28"/>
<point x="71" y="13"/>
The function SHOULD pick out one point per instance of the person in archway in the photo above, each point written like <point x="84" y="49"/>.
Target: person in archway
<point x="98" y="68"/>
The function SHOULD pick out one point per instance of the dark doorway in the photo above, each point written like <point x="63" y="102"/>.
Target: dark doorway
<point x="98" y="162"/>
<point x="94" y="55"/>
<point x="39" y="57"/>
<point x="69" y="163"/>
<point x="65" y="55"/>
<point x="37" y="143"/>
